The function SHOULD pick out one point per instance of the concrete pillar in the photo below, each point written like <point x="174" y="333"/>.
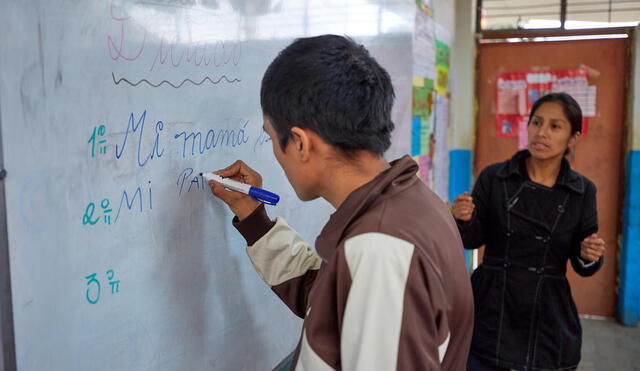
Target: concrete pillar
<point x="629" y="289"/>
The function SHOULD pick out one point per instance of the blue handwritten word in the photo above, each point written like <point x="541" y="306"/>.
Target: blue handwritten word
<point x="262" y="139"/>
<point x="92" y="280"/>
<point x="137" y="195"/>
<point x="187" y="173"/>
<point x="224" y="137"/>
<point x="139" y="128"/>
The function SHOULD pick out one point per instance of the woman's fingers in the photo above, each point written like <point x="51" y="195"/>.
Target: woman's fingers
<point x="592" y="248"/>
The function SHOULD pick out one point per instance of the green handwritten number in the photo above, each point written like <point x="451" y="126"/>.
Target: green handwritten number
<point x="92" y="279"/>
<point x="92" y="141"/>
<point x="88" y="214"/>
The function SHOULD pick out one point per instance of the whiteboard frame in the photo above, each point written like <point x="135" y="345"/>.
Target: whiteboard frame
<point x="8" y="348"/>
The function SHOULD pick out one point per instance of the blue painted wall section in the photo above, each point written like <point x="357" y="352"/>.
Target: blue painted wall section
<point x="415" y="135"/>
<point x="629" y="292"/>
<point x="460" y="170"/>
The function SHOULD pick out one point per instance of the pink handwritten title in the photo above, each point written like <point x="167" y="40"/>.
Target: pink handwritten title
<point x="132" y="45"/>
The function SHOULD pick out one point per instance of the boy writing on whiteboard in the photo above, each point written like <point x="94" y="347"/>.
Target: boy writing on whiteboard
<point x="387" y="288"/>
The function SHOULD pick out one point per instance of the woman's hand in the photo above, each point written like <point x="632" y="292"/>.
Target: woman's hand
<point x="592" y="248"/>
<point x="240" y="204"/>
<point x="463" y="207"/>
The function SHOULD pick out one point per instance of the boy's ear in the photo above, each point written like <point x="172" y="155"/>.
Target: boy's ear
<point x="301" y="143"/>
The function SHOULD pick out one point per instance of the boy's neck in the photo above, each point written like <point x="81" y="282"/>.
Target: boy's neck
<point x="344" y="177"/>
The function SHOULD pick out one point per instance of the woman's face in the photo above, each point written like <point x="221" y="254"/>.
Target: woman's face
<point x="549" y="132"/>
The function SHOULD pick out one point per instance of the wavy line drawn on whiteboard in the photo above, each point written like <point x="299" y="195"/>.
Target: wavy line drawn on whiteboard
<point x="207" y="78"/>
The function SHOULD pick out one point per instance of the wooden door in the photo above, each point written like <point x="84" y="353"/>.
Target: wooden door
<point x="598" y="155"/>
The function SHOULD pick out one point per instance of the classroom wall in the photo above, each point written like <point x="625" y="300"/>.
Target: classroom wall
<point x="432" y="43"/>
<point x="463" y="55"/>
<point x="629" y="290"/>
<point x="462" y="121"/>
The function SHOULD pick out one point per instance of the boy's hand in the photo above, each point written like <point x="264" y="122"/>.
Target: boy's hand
<point x="463" y="207"/>
<point x="240" y="204"/>
<point x="592" y="248"/>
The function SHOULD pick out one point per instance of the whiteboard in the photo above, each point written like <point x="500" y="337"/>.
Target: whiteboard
<point x="120" y="257"/>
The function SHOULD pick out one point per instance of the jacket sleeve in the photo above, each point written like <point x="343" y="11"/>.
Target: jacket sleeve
<point x="282" y="258"/>
<point x="474" y="232"/>
<point x="587" y="226"/>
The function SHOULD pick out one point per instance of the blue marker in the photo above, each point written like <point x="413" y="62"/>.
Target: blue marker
<point x="256" y="193"/>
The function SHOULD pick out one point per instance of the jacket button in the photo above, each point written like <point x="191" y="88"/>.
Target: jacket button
<point x="561" y="209"/>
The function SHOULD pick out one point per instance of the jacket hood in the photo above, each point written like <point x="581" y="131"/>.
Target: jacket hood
<point x="400" y="176"/>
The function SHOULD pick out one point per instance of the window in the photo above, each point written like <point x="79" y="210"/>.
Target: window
<point x="556" y="14"/>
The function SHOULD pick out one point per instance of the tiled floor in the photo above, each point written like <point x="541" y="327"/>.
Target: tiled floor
<point x="608" y="346"/>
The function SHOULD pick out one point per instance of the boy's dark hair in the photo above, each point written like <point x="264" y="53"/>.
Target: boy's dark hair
<point x="332" y="86"/>
<point x="570" y="107"/>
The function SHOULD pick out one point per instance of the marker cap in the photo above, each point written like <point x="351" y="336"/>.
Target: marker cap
<point x="263" y="196"/>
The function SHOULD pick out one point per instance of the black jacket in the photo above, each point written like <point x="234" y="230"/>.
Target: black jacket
<point x="525" y="317"/>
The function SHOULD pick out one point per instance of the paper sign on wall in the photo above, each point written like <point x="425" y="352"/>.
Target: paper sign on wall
<point x="516" y="92"/>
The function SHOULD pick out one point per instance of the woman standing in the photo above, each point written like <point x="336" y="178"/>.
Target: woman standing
<point x="533" y="213"/>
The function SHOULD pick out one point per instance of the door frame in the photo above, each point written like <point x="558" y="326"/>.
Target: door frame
<point x="532" y="36"/>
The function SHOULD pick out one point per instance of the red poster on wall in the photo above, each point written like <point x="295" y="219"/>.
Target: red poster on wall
<point x="511" y="103"/>
<point x="518" y="91"/>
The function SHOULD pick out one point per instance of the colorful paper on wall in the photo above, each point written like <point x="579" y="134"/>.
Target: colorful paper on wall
<point x="425" y="135"/>
<point x="415" y="135"/>
<point x="585" y="127"/>
<point x="425" y="6"/>
<point x="585" y="95"/>
<point x="430" y="108"/>
<point x="424" y="164"/>
<point x="518" y="91"/>
<point x="441" y="160"/>
<point x="424" y="46"/>
<point x="417" y="160"/>
<point x="423" y="99"/>
<point x="443" y="56"/>
<point x="523" y="135"/>
<point x="443" y="80"/>
<point x="512" y="101"/>
<point x="507" y="125"/>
